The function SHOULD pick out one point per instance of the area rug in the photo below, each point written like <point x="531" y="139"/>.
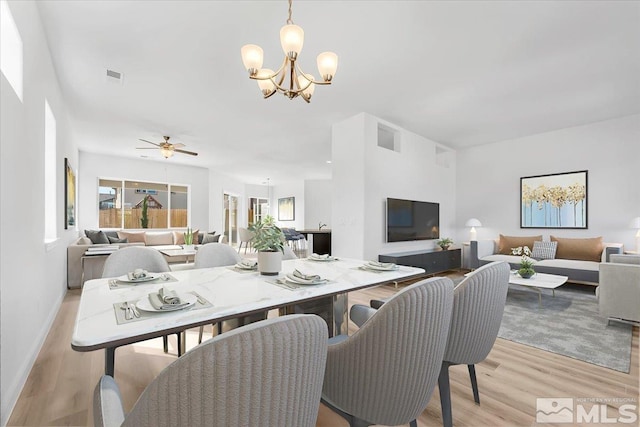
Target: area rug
<point x="567" y="324"/>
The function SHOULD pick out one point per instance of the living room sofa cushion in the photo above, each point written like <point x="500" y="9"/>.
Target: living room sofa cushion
<point x="589" y="249"/>
<point x="132" y="236"/>
<point x="506" y="243"/>
<point x="158" y="238"/>
<point x="210" y="238"/>
<point x="116" y="240"/>
<point x="544" y="250"/>
<point x="178" y="237"/>
<point x="97" y="237"/>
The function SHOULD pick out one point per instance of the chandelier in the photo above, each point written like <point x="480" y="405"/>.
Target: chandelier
<point x="289" y="79"/>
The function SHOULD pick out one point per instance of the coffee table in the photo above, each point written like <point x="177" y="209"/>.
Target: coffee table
<point x="539" y="281"/>
<point x="175" y="253"/>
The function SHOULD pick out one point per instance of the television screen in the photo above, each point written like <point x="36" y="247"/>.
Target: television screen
<point x="412" y="220"/>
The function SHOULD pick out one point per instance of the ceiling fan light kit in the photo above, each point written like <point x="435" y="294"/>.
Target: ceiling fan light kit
<point x="299" y="83"/>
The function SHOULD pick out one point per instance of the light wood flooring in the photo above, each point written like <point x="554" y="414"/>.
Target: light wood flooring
<point x="60" y="386"/>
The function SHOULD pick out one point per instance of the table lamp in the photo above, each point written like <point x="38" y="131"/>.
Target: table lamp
<point x="473" y="223"/>
<point x="635" y="223"/>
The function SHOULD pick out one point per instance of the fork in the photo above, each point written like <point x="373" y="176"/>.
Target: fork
<point x="127" y="314"/>
<point x="132" y="309"/>
<point x="113" y="283"/>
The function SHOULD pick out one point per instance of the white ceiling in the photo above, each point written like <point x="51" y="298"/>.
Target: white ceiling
<point x="459" y="73"/>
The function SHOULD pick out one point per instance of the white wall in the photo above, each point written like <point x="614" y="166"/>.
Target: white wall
<point x="317" y="203"/>
<point x="364" y="175"/>
<point x="95" y="166"/>
<point x="32" y="278"/>
<point x="489" y="179"/>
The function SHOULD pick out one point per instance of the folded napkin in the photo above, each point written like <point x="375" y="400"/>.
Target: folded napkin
<point x="300" y="275"/>
<point x="316" y="256"/>
<point x="138" y="273"/>
<point x="382" y="264"/>
<point x="166" y="299"/>
<point x="247" y="263"/>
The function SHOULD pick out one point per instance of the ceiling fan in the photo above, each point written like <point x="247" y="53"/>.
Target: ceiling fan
<point x="166" y="148"/>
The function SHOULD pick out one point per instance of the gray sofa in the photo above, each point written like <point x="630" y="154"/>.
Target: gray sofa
<point x="157" y="239"/>
<point x="579" y="271"/>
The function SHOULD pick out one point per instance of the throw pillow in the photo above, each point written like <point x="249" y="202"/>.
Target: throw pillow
<point x="158" y="238"/>
<point x="178" y="237"/>
<point x="96" y="236"/>
<point x="544" y="250"/>
<point x="116" y="240"/>
<point x="589" y="249"/>
<point x="210" y="238"/>
<point x="508" y="242"/>
<point x="132" y="236"/>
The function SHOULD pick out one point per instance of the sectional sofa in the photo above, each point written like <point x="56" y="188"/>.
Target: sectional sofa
<point x="578" y="259"/>
<point x="157" y="239"/>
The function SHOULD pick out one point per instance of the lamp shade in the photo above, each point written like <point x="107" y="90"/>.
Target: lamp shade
<point x="327" y="65"/>
<point x="635" y="223"/>
<point x="252" y="57"/>
<point x="473" y="222"/>
<point x="305" y="82"/>
<point x="291" y="39"/>
<point x="266" y="85"/>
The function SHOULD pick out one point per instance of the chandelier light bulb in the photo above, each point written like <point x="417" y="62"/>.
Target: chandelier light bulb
<point x="291" y="39"/>
<point x="252" y="57"/>
<point x="327" y="65"/>
<point x="304" y="81"/>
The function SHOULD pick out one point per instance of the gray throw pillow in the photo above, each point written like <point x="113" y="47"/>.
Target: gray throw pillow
<point x="116" y="240"/>
<point x="210" y="238"/>
<point x="96" y="236"/>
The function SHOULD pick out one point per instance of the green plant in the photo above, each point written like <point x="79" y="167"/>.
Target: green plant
<point x="445" y="242"/>
<point x="267" y="235"/>
<point x="526" y="263"/>
<point x="144" y="219"/>
<point x="188" y="236"/>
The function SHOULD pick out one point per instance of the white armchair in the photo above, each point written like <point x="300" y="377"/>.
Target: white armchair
<point x="619" y="290"/>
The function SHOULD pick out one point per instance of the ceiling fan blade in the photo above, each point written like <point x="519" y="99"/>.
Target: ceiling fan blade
<point x="145" y="148"/>
<point x="179" y="145"/>
<point x="144" y="140"/>
<point x="191" y="153"/>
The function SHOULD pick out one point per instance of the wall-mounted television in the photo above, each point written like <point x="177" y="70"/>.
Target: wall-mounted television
<point x="412" y="220"/>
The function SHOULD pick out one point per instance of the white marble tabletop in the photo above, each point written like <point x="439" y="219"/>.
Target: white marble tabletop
<point x="231" y="293"/>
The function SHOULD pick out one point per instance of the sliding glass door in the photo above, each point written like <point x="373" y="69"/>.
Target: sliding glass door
<point x="230" y="215"/>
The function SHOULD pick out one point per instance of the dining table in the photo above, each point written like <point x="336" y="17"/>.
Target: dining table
<point x="114" y="312"/>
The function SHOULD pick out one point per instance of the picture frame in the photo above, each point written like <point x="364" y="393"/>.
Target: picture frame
<point x="287" y="209"/>
<point x="557" y="200"/>
<point x="69" y="195"/>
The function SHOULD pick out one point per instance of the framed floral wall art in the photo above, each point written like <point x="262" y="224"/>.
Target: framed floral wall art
<point x="554" y="201"/>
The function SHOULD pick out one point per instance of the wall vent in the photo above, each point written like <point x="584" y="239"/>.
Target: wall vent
<point x="114" y="76"/>
<point x="388" y="138"/>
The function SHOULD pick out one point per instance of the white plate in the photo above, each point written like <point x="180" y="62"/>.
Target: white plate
<point x="149" y="276"/>
<point x="322" y="259"/>
<point x="145" y="305"/>
<point x="375" y="267"/>
<point x="298" y="281"/>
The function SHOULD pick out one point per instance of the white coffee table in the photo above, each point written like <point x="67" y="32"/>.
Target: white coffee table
<point x="175" y="253"/>
<point x="539" y="281"/>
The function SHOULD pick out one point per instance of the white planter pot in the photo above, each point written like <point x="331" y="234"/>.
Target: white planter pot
<point x="269" y="263"/>
<point x="189" y="247"/>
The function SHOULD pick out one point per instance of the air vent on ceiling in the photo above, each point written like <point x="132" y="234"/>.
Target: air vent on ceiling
<point x="114" y="76"/>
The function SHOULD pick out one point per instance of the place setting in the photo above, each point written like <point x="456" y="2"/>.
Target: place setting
<point x="379" y="267"/>
<point x="321" y="258"/>
<point x="246" y="265"/>
<point x="298" y="279"/>
<point x="137" y="276"/>
<point x="164" y="300"/>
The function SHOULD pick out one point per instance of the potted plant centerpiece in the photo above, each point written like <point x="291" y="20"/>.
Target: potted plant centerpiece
<point x="268" y="240"/>
<point x="188" y="240"/>
<point x="526" y="264"/>
<point x="445" y="243"/>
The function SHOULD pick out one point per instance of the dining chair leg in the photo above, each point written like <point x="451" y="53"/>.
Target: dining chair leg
<point x="445" y="395"/>
<point x="200" y="334"/>
<point x="474" y="383"/>
<point x="165" y="343"/>
<point x="413" y="423"/>
<point x="109" y="361"/>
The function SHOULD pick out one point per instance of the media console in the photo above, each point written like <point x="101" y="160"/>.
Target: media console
<point x="432" y="260"/>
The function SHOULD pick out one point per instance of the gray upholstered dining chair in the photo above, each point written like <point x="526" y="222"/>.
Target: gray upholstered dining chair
<point x="220" y="255"/>
<point x="245" y="236"/>
<point x="478" y="306"/>
<point x="265" y="374"/>
<point x="215" y="255"/>
<point x="128" y="259"/>
<point x="372" y="376"/>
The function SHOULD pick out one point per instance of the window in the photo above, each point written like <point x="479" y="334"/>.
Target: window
<point x="10" y="49"/>
<point x="50" y="196"/>
<point x="138" y="204"/>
